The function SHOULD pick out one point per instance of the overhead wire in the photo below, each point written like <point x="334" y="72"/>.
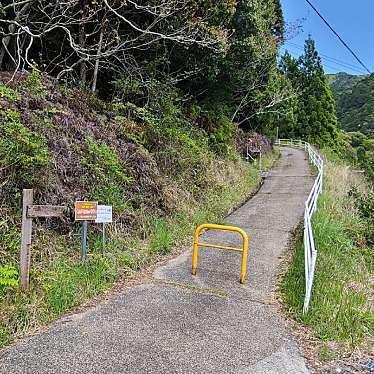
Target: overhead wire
<point x="333" y="60"/>
<point x="329" y="57"/>
<point x="338" y="36"/>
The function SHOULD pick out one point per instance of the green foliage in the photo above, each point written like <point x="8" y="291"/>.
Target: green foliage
<point x="9" y="234"/>
<point x="338" y="311"/>
<point x="312" y="116"/>
<point x="9" y="94"/>
<point x="109" y="175"/>
<point x="219" y="127"/>
<point x="355" y="108"/>
<point x="8" y="278"/>
<point x="106" y="161"/>
<point x="178" y="147"/>
<point x="62" y="282"/>
<point x="23" y="153"/>
<point x="161" y="238"/>
<point x="34" y="84"/>
<point x="365" y="206"/>
<point x="130" y="88"/>
<point x="355" y="102"/>
<point x="357" y="148"/>
<point x="163" y="148"/>
<point x="342" y="81"/>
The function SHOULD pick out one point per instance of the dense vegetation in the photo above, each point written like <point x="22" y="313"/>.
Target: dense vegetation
<point x="354" y="102"/>
<point x="355" y="110"/>
<point x="341" y="311"/>
<point x="311" y="113"/>
<point x="137" y="51"/>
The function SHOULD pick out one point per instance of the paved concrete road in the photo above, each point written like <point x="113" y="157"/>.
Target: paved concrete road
<point x="183" y="324"/>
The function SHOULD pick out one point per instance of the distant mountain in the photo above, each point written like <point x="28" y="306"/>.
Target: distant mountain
<point x="354" y="95"/>
<point x="343" y="81"/>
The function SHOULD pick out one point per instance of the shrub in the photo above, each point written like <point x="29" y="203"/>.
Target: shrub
<point x="34" y="85"/>
<point x="109" y="175"/>
<point x="23" y="153"/>
<point x="340" y="308"/>
<point x="219" y="127"/>
<point x="8" y="278"/>
<point x="8" y="93"/>
<point x="365" y="206"/>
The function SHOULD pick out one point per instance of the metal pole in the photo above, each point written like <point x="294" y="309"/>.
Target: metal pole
<point x="195" y="250"/>
<point x="84" y="240"/>
<point x="103" y="237"/>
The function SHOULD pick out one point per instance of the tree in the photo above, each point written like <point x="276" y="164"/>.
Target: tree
<point x="75" y="37"/>
<point x="245" y="79"/>
<point x="219" y="55"/>
<point x="313" y="114"/>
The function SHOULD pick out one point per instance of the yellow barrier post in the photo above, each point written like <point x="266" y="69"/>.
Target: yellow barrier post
<point x="244" y="250"/>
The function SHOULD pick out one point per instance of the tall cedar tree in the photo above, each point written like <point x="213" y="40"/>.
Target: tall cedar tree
<point x="312" y="116"/>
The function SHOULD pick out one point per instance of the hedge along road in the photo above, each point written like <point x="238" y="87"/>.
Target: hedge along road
<point x="177" y="323"/>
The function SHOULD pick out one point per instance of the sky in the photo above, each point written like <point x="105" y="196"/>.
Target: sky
<point x="352" y="19"/>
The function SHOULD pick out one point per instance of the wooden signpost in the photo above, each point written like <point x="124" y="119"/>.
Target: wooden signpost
<point x="85" y="211"/>
<point x="30" y="211"/>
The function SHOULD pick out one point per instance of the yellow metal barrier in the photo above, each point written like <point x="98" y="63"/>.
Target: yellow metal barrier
<point x="244" y="250"/>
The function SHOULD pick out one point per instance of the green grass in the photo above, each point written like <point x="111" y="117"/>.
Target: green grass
<point x="60" y="282"/>
<point x="68" y="285"/>
<point x="341" y="308"/>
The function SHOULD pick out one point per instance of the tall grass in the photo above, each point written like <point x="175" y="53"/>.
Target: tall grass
<point x="341" y="308"/>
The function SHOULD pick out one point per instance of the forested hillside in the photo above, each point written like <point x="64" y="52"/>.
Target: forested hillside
<point x="343" y="82"/>
<point x="354" y="97"/>
<point x="172" y="50"/>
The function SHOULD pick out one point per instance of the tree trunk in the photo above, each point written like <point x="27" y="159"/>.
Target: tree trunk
<point x="4" y="47"/>
<point x="82" y="43"/>
<point x="97" y="63"/>
<point x="7" y="42"/>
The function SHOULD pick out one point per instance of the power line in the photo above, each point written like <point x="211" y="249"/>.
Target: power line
<point x="334" y="67"/>
<point x="327" y="56"/>
<point x="355" y="70"/>
<point x="337" y="66"/>
<point x="338" y="36"/>
<point x="333" y="60"/>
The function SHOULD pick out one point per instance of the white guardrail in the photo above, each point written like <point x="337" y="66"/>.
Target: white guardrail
<point x="310" y="207"/>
